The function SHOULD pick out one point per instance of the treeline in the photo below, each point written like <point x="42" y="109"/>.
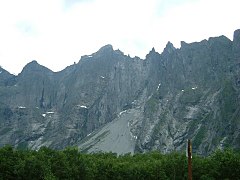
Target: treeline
<point x="71" y="164"/>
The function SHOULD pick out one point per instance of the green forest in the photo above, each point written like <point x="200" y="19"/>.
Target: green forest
<point x="72" y="164"/>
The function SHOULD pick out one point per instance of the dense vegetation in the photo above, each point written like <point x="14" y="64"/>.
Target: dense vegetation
<point x="71" y="164"/>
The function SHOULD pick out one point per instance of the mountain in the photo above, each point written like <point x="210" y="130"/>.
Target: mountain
<point x="111" y="102"/>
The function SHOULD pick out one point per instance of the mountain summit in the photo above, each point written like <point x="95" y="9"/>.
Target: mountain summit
<point x="111" y="102"/>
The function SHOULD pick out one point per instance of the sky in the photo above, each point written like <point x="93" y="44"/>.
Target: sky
<point x="57" y="33"/>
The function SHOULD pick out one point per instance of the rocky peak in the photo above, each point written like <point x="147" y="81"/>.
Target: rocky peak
<point x="152" y="53"/>
<point x="34" y="67"/>
<point x="236" y="36"/>
<point x="219" y="41"/>
<point x="169" y="47"/>
<point x="106" y="49"/>
<point x="5" y="77"/>
<point x="236" y="43"/>
<point x="31" y="66"/>
<point x="2" y="71"/>
<point x="183" y="44"/>
<point x="153" y="50"/>
<point x="33" y="63"/>
<point x="119" y="52"/>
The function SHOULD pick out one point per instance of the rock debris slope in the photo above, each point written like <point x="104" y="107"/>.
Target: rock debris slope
<point x="111" y="102"/>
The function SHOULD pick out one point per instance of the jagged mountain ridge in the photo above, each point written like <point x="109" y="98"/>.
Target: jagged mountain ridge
<point x="111" y="102"/>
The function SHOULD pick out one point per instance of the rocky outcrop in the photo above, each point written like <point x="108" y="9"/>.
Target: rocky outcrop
<point x="111" y="102"/>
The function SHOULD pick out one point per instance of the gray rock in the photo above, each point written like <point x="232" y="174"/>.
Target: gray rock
<point x="111" y="102"/>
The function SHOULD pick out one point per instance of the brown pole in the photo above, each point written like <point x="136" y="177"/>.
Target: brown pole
<point x="189" y="160"/>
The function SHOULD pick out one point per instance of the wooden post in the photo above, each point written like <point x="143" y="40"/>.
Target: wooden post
<point x="189" y="160"/>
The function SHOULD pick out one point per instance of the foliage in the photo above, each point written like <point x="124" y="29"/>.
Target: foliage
<point x="199" y="137"/>
<point x="72" y="164"/>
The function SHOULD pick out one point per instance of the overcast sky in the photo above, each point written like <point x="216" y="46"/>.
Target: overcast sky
<point x="57" y="33"/>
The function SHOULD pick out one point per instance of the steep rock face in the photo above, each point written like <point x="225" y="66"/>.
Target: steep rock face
<point x="194" y="100"/>
<point x="112" y="102"/>
<point x="6" y="78"/>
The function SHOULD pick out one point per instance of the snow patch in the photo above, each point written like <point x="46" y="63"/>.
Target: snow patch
<point x="50" y="112"/>
<point x="193" y="88"/>
<point x="90" y="56"/>
<point x="182" y="90"/>
<point x="122" y="112"/>
<point x="89" y="134"/>
<point x="82" y="106"/>
<point x="134" y="101"/>
<point x="132" y="136"/>
<point x="21" y="107"/>
<point x="221" y="145"/>
<point x="102" y="77"/>
<point x="0" y="72"/>
<point x="158" y="86"/>
<point x="44" y="115"/>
